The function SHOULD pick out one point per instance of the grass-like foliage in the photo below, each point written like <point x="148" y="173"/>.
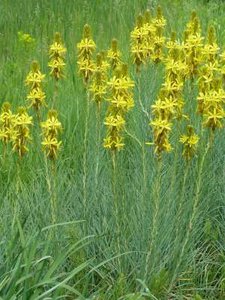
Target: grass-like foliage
<point x="112" y="143"/>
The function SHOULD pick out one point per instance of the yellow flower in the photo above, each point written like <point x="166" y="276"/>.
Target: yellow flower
<point x="213" y="119"/>
<point x="57" y="67"/>
<point x="114" y="55"/>
<point x="52" y="126"/>
<point x="34" y="77"/>
<point x="36" y="98"/>
<point x="50" y="131"/>
<point x="113" y="143"/>
<point x="57" y="57"/>
<point x="20" y="133"/>
<point x="57" y="49"/>
<point x="189" y="141"/>
<point x="6" y="122"/>
<point x="51" y="147"/>
<point x="115" y="121"/>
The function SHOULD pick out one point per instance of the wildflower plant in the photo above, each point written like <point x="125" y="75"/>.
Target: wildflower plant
<point x="139" y="43"/>
<point x="6" y="122"/>
<point x="120" y="102"/>
<point x="86" y="48"/>
<point x="114" y="55"/>
<point x="21" y="132"/>
<point x="57" y="53"/>
<point x="98" y="86"/>
<point x="190" y="142"/>
<point x="159" y="23"/>
<point x="51" y="129"/>
<point x="34" y="81"/>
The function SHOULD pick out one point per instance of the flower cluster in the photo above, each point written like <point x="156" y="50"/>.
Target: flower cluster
<point x="6" y="122"/>
<point x="211" y="93"/>
<point x="114" y="55"/>
<point x="26" y="39"/>
<point x="121" y="101"/>
<point x="50" y="131"/>
<point x="169" y="104"/>
<point x="86" y="48"/>
<point x="193" y="44"/>
<point x="147" y="38"/>
<point x="189" y="141"/>
<point x="98" y="87"/>
<point x="139" y="43"/>
<point x="159" y="23"/>
<point x="21" y="131"/>
<point x="57" y="53"/>
<point x="34" y="81"/>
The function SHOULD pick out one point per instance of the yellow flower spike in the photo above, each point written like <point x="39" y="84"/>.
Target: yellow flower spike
<point x="51" y="147"/>
<point x="36" y="97"/>
<point x="189" y="141"/>
<point x="159" y="21"/>
<point x="115" y="121"/>
<point x="57" y="49"/>
<point x="120" y="101"/>
<point x="21" y="131"/>
<point x="214" y="118"/>
<point x="101" y="64"/>
<point x="50" y="131"/>
<point x="86" y="48"/>
<point x="138" y="43"/>
<point x="114" y="55"/>
<point x="159" y="40"/>
<point x="98" y="87"/>
<point x="57" y="58"/>
<point x="193" y="45"/>
<point x="34" y="78"/>
<point x="6" y="122"/>
<point x="161" y="129"/>
<point x="52" y="126"/>
<point x="211" y="49"/>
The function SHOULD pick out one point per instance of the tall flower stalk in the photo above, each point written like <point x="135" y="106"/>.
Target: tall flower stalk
<point x="86" y="66"/>
<point x="51" y="144"/>
<point x="36" y="96"/>
<point x="57" y="63"/>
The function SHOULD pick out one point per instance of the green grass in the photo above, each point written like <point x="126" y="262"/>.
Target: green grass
<point x="99" y="247"/>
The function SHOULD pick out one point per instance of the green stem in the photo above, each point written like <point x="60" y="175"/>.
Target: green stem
<point x="55" y="94"/>
<point x="50" y="179"/>
<point x="98" y="137"/>
<point x="193" y="214"/>
<point x="85" y="167"/>
<point x="116" y="204"/>
<point x="154" y="225"/>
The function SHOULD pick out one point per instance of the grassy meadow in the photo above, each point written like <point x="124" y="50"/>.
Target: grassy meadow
<point x="98" y="223"/>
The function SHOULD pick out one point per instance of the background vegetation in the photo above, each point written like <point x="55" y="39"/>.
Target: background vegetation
<point x="96" y="251"/>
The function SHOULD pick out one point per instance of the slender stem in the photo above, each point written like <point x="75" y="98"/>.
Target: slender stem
<point x="85" y="167"/>
<point x="18" y="190"/>
<point x="98" y="139"/>
<point x="50" y="179"/>
<point x="55" y="93"/>
<point x="116" y="204"/>
<point x="193" y="214"/>
<point x="153" y="227"/>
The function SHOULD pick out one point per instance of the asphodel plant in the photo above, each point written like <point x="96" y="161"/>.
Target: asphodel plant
<point x="57" y="53"/>
<point x="51" y="129"/>
<point x="34" y="80"/>
<point x="20" y="135"/>
<point x="86" y="48"/>
<point x="120" y="102"/>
